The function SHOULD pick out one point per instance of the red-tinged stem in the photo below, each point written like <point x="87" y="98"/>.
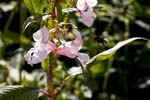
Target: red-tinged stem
<point x="59" y="88"/>
<point x="44" y="92"/>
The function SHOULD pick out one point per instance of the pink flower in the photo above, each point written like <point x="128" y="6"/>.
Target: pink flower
<point x="71" y="49"/>
<point x="83" y="57"/>
<point x="41" y="35"/>
<point x="88" y="16"/>
<point x="86" y="11"/>
<point x="41" y="48"/>
<point x="84" y="4"/>
<point x="35" y="55"/>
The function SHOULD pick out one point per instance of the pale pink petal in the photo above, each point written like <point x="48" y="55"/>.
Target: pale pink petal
<point x="39" y="52"/>
<point x="88" y="17"/>
<point x="50" y="46"/>
<point x="81" y="4"/>
<point x="78" y="39"/>
<point x="71" y="48"/>
<point x="91" y="3"/>
<point x="41" y="35"/>
<point x="35" y="56"/>
<point x="43" y="46"/>
<point x="68" y="50"/>
<point x="83" y="57"/>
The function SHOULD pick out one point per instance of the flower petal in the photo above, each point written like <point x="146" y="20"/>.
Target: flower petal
<point x="88" y="17"/>
<point x="91" y="3"/>
<point x="78" y="39"/>
<point x="49" y="46"/>
<point x="41" y="35"/>
<point x="81" y="4"/>
<point x="35" y="56"/>
<point x="84" y="58"/>
<point x="71" y="48"/>
<point x="68" y="50"/>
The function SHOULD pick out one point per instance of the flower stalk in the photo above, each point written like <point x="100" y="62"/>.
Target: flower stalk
<point x="50" y="60"/>
<point x="49" y="73"/>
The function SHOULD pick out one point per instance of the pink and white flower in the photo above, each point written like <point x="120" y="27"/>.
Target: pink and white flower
<point x="85" y="8"/>
<point x="71" y="49"/>
<point x="87" y="16"/>
<point x="84" y="4"/>
<point x="43" y="46"/>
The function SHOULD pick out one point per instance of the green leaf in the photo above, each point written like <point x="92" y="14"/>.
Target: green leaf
<point x="144" y="12"/>
<point x="28" y="4"/>
<point x="110" y="52"/>
<point x="59" y="11"/>
<point x="44" y="64"/>
<point x="18" y="93"/>
<point x="103" y="55"/>
<point x="73" y="71"/>
<point x="34" y="6"/>
<point x="38" y="18"/>
<point x="11" y="37"/>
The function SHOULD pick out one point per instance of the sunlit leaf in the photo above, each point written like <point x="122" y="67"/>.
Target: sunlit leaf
<point x="67" y="77"/>
<point x="34" y="6"/>
<point x="18" y="93"/>
<point x="75" y="71"/>
<point x="24" y="40"/>
<point x="110" y="52"/>
<point x="44" y="64"/>
<point x="28" y="4"/>
<point x="103" y="55"/>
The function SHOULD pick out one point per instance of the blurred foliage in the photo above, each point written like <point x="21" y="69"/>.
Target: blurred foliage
<point x="123" y="77"/>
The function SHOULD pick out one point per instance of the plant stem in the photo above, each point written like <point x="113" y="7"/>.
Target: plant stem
<point x="106" y="75"/>
<point x="49" y="72"/>
<point x="50" y="59"/>
<point x="110" y="24"/>
<point x="12" y="14"/>
<point x="22" y="16"/>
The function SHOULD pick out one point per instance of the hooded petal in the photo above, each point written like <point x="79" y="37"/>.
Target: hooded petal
<point x="83" y="57"/>
<point x="71" y="48"/>
<point x="81" y="4"/>
<point x="35" y="55"/>
<point x="78" y="39"/>
<point x="91" y="3"/>
<point x="48" y="46"/>
<point x="68" y="50"/>
<point x="41" y="35"/>
<point x="88" y="17"/>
